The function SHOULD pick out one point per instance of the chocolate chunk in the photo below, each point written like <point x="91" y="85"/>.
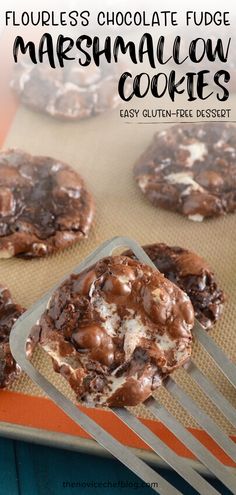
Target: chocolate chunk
<point x="71" y="93"/>
<point x="116" y="331"/>
<point x="44" y="205"/>
<point x="191" y="169"/>
<point x="193" y="275"/>
<point x="9" y="312"/>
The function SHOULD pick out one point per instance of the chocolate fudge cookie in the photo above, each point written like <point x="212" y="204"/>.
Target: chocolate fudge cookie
<point x="191" y="169"/>
<point x="44" y="205"/>
<point x="192" y="274"/>
<point x="9" y="313"/>
<point x="116" y="331"/>
<point x="73" y="92"/>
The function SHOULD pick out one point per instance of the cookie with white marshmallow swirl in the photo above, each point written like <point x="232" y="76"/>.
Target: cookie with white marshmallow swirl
<point x="191" y="169"/>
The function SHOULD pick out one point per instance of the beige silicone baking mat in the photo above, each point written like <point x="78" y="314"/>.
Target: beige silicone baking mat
<point x="103" y="149"/>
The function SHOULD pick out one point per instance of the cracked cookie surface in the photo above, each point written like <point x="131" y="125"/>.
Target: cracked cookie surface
<point x="9" y="313"/>
<point x="193" y="275"/>
<point x="71" y="93"/>
<point x="116" y="331"/>
<point x="44" y="205"/>
<point x="191" y="169"/>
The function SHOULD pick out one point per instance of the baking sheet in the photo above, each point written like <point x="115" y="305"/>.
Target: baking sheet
<point x="103" y="150"/>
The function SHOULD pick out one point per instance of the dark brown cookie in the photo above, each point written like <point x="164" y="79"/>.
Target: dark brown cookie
<point x="44" y="205"/>
<point x="9" y="313"/>
<point x="72" y="93"/>
<point x="191" y="169"/>
<point x="116" y="331"/>
<point x="192" y="274"/>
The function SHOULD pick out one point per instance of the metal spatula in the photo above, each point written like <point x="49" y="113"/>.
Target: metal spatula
<point x="18" y="338"/>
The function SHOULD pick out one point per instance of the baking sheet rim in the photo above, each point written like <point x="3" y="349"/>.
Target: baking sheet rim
<point x="87" y="446"/>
